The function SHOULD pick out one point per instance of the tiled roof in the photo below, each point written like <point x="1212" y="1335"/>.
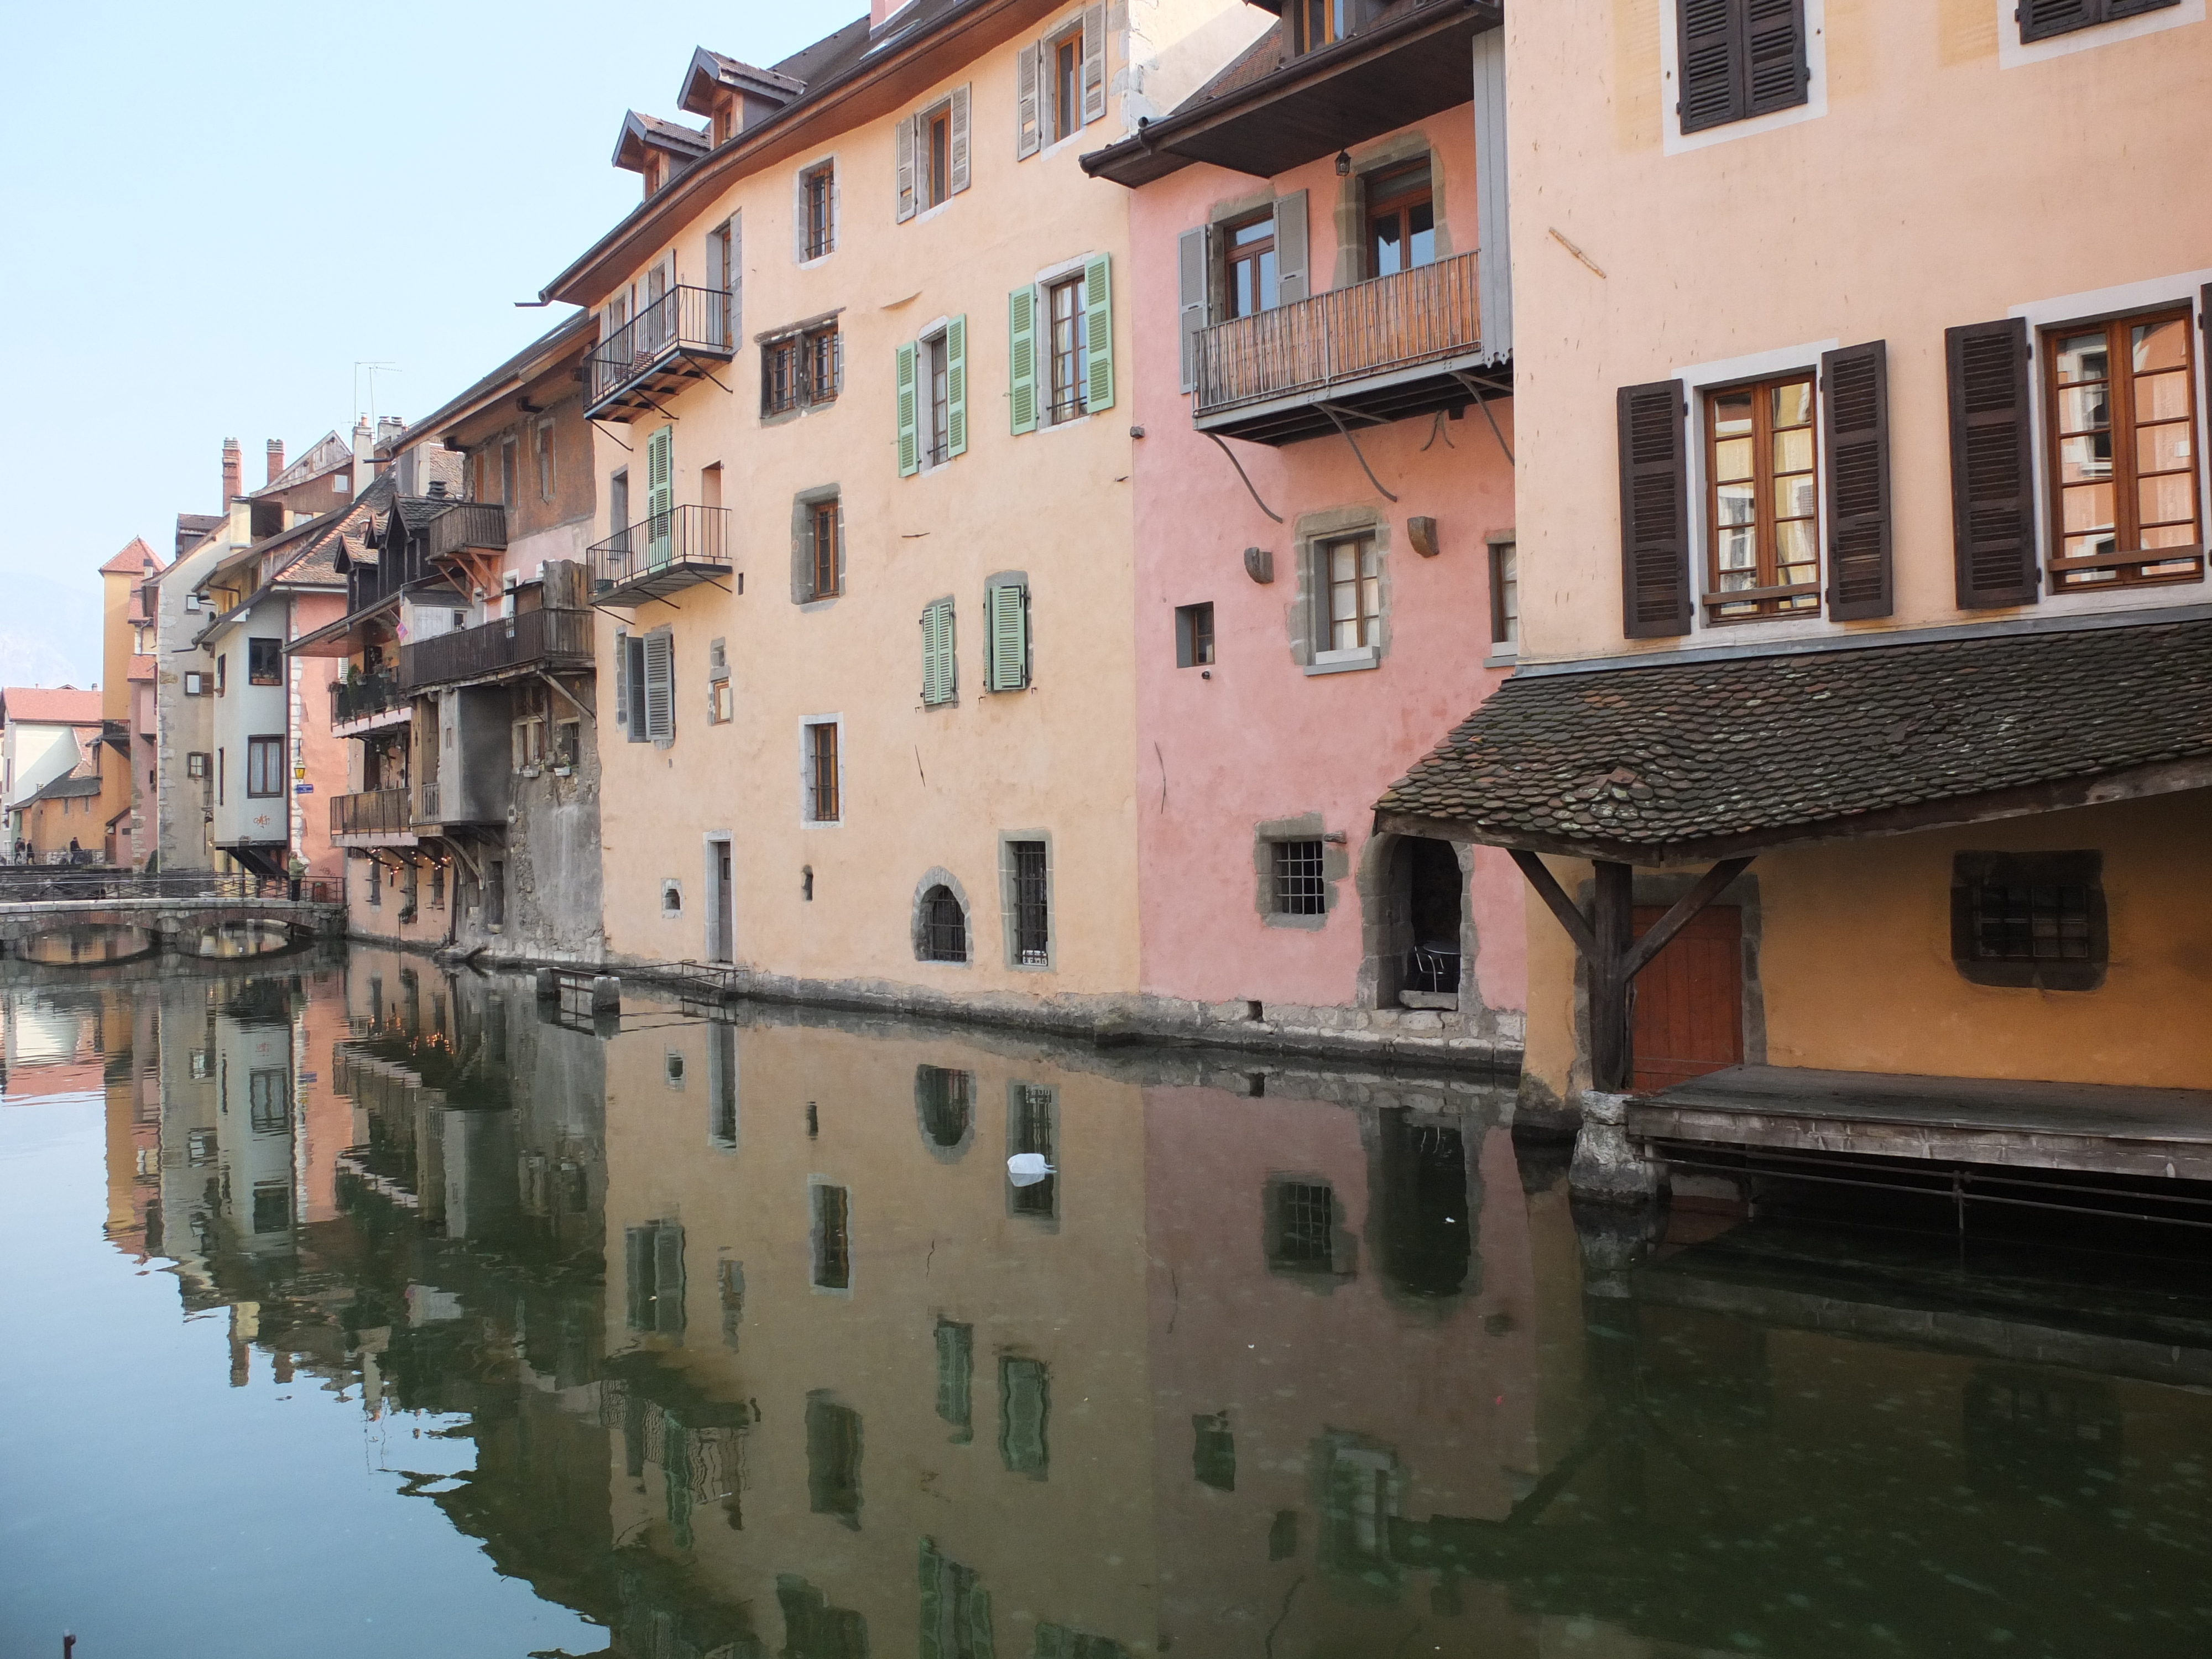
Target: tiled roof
<point x="142" y="668"/>
<point x="52" y="705"/>
<point x="71" y="786"/>
<point x="1789" y="747"/>
<point x="131" y="561"/>
<point x="327" y="454"/>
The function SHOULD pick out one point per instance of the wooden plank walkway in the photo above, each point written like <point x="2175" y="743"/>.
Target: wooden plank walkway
<point x="2108" y="1128"/>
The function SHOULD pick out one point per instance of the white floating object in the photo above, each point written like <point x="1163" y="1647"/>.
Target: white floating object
<point x="1027" y="1168"/>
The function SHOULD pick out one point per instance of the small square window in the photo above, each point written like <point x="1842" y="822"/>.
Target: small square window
<point x="264" y="662"/>
<point x="1194" y="635"/>
<point x="1300" y="888"/>
<point x="2030" y="920"/>
<point x="671" y="898"/>
<point x="722" y="705"/>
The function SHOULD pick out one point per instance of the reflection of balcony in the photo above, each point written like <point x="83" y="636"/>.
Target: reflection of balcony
<point x="663" y="350"/>
<point x="661" y="554"/>
<point x="1379" y="351"/>
<point x="555" y="641"/>
<point x="376" y="818"/>
<point x="367" y="704"/>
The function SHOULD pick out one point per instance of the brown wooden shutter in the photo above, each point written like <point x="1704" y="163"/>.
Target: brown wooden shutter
<point x="1854" y="409"/>
<point x="1709" y="47"/>
<point x="1776" y="70"/>
<point x="1992" y="471"/>
<point x="1655" y="530"/>
<point x="2040" y="19"/>
<point x="2116" y="9"/>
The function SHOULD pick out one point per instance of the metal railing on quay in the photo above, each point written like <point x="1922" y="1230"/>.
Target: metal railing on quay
<point x="1346" y="334"/>
<point x="680" y="536"/>
<point x="516" y="642"/>
<point x="682" y="319"/>
<point x="64" y="884"/>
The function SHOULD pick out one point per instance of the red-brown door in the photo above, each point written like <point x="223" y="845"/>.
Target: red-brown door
<point x="1689" y="1002"/>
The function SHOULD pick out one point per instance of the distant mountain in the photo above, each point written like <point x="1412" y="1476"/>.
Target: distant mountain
<point x="50" y="632"/>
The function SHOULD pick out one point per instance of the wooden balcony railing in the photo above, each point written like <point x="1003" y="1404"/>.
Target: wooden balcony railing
<point x="684" y="320"/>
<point x="1342" y="337"/>
<point x="468" y="526"/>
<point x="374" y="813"/>
<point x="528" y="640"/>
<point x="370" y="693"/>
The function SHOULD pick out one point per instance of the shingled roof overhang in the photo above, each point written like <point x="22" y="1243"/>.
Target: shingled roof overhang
<point x="1402" y="70"/>
<point x="906" y="60"/>
<point x="1686" y="762"/>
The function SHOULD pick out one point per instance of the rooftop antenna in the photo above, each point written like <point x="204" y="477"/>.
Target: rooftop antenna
<point x="359" y="367"/>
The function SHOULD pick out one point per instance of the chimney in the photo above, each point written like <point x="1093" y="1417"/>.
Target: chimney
<point x="364" y="458"/>
<point x="275" y="459"/>
<point x="388" y="427"/>
<point x="233" y="473"/>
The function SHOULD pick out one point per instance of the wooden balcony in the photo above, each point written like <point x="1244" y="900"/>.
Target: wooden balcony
<point x="368" y="703"/>
<point x="667" y="346"/>
<point x="1374" y="351"/>
<point x="375" y="817"/>
<point x="469" y="528"/>
<point x="551" y="641"/>
<point x="661" y="554"/>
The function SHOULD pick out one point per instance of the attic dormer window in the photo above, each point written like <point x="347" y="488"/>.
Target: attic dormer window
<point x="656" y="174"/>
<point x="726" y="121"/>
<point x="1316" y="23"/>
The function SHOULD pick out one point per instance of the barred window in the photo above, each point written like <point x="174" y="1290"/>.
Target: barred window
<point x="1303" y="1233"/>
<point x="2030" y="919"/>
<point x="1030" y="881"/>
<point x="1300" y="889"/>
<point x="945" y="927"/>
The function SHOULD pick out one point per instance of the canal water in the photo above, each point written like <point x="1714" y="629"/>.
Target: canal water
<point x="357" y="1308"/>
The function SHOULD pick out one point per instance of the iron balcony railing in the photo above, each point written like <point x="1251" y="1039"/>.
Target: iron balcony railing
<point x="469" y="526"/>
<point x="371" y="694"/>
<point x="528" y="639"/>
<point x="1346" y="334"/>
<point x="374" y="813"/>
<point x="682" y="536"/>
<point x="682" y="319"/>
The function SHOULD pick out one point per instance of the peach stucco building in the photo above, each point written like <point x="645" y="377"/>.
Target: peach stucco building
<point x="1323" y="531"/>
<point x="1863" y="519"/>
<point x="865" y="393"/>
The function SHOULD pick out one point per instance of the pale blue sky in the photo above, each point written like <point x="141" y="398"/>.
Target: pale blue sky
<point x="211" y="212"/>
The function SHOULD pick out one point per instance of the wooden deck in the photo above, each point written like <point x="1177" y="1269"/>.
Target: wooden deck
<point x="2104" y="1127"/>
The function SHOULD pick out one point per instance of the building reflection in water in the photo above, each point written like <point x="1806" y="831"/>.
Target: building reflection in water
<point x="761" y="1348"/>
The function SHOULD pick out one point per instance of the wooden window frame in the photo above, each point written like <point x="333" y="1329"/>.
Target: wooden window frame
<point x="259" y="751"/>
<point x="2126" y="566"/>
<point x="1260" y="255"/>
<point x="1769" y="599"/>
<point x="936" y="400"/>
<point x="543" y="444"/>
<point x="1064" y="62"/>
<point x="1379" y="204"/>
<point x="935" y="160"/>
<point x="1504" y="580"/>
<point x="255" y="654"/>
<point x="1366" y="618"/>
<point x="817" y="191"/>
<point x="825" y="552"/>
<point x="801" y="369"/>
<point x="1194" y="639"/>
<point x="1338" y="20"/>
<point x="1064" y="399"/>
<point x="825" y="801"/>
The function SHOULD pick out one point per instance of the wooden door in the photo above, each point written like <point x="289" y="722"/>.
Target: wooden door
<point x="1689" y="1002"/>
<point x="726" y="907"/>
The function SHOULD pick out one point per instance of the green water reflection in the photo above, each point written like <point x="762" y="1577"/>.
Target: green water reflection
<point x="736" y="1338"/>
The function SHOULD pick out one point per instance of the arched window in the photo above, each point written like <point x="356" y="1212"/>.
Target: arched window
<point x="944" y="927"/>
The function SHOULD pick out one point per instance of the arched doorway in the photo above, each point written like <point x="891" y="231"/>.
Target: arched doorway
<point x="1412" y="893"/>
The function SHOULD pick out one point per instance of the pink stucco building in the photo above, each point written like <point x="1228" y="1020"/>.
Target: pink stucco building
<point x="1324" y="526"/>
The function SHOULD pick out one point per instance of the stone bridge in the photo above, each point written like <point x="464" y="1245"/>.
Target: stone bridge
<point x="175" y="922"/>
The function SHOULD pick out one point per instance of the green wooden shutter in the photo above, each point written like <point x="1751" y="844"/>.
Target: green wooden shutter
<point x="940" y="679"/>
<point x="1097" y="335"/>
<point x="1021" y="357"/>
<point x="909" y="444"/>
<point x="660" y="686"/>
<point x="1006" y="617"/>
<point x="955" y="386"/>
<point x="660" y="492"/>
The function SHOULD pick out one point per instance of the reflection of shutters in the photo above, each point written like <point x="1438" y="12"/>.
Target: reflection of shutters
<point x="1191" y="260"/>
<point x="1029" y="130"/>
<point x="1855" y="409"/>
<point x="660" y="686"/>
<point x="1094" y="63"/>
<point x="1654" y="535"/>
<point x="1021" y="357"/>
<point x="955" y="386"/>
<point x="1992" y="499"/>
<point x="909" y="446"/>
<point x="1290" y="250"/>
<point x="660" y="492"/>
<point x="939" y="665"/>
<point x="1007" y="622"/>
<point x="956" y="142"/>
<point x="905" y="148"/>
<point x="668" y="1278"/>
<point x="1097" y="335"/>
<point x="1025" y="1405"/>
<point x="955" y="1369"/>
<point x="637" y="1272"/>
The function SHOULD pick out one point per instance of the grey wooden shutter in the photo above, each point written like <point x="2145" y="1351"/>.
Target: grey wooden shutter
<point x="621" y="677"/>
<point x="1655" y="525"/>
<point x="1709" y="49"/>
<point x="904" y="135"/>
<point x="734" y="260"/>
<point x="956" y="142"/>
<point x="1776" y="70"/>
<point x="2116" y="9"/>
<point x="1094" y="63"/>
<point x="1290" y="248"/>
<point x="1191" y="251"/>
<point x="660" y="686"/>
<point x="1992" y="468"/>
<point x="1855" y="411"/>
<point x="2040" y="19"/>
<point x="1029" y="75"/>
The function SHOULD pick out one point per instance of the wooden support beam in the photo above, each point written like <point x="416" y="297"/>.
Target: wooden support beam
<point x="1612" y="927"/>
<point x="1555" y="899"/>
<point x="1684" y="910"/>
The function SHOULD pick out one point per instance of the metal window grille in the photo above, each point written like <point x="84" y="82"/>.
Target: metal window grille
<point x="946" y="1102"/>
<point x="824" y="521"/>
<point x="821" y="220"/>
<point x="1032" y="901"/>
<point x="1032" y="1132"/>
<point x="1305" y="1225"/>
<point x="2031" y="923"/>
<point x="821" y="364"/>
<point x="1300" y="889"/>
<point x="1065" y="300"/>
<point x="946" y="927"/>
<point x="935" y="355"/>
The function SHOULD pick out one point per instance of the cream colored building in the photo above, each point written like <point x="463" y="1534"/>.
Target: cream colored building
<point x="867" y="674"/>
